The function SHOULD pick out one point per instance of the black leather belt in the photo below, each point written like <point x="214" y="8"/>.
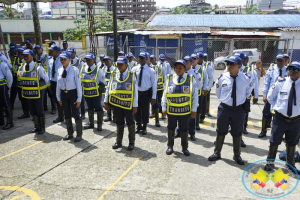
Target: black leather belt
<point x="68" y="91"/>
<point x="287" y="119"/>
<point x="227" y="106"/>
<point x="145" y="92"/>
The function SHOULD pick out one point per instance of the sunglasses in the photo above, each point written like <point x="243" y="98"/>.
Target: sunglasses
<point x="230" y="63"/>
<point x="293" y="69"/>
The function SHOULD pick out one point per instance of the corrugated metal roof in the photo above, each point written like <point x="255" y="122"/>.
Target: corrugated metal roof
<point x="227" y="21"/>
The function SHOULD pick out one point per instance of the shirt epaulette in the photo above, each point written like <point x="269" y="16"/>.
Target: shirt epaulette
<point x="281" y="79"/>
<point x="248" y="75"/>
<point x="220" y="76"/>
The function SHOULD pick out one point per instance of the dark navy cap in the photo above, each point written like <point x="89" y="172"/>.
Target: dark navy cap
<point x="122" y="52"/>
<point x="162" y="56"/>
<point x="65" y="54"/>
<point x="27" y="52"/>
<point x="240" y="54"/>
<point x="122" y="59"/>
<point x="21" y="49"/>
<point x="90" y="56"/>
<point x="188" y="58"/>
<point x="13" y="46"/>
<point x="235" y="59"/>
<point x="102" y="55"/>
<point x="280" y="56"/>
<point x="29" y="41"/>
<point x="286" y="56"/>
<point x="246" y="57"/>
<point x="106" y="58"/>
<point x="205" y="55"/>
<point x="51" y="43"/>
<point x="71" y="50"/>
<point x="153" y="56"/>
<point x="143" y="54"/>
<point x="194" y="56"/>
<point x="129" y="55"/>
<point x="65" y="42"/>
<point x="55" y="48"/>
<point x="295" y="64"/>
<point x="200" y="55"/>
<point x="38" y="46"/>
<point x="180" y="61"/>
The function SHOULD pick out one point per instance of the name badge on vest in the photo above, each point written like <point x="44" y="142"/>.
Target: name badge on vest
<point x="159" y="73"/>
<point x="170" y="89"/>
<point x="114" y="86"/>
<point x="33" y="74"/>
<point x="93" y="76"/>
<point x="128" y="86"/>
<point x="186" y="89"/>
<point x="21" y="73"/>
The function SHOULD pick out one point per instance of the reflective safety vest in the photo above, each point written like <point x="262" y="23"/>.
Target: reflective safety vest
<point x="89" y="81"/>
<point x="3" y="81"/>
<point x="121" y="93"/>
<point x="43" y="61"/>
<point x="160" y="77"/>
<point x="203" y="68"/>
<point x="77" y="63"/>
<point x="134" y="63"/>
<point x="16" y="65"/>
<point x="30" y="82"/>
<point x="179" y="95"/>
<point x="107" y="75"/>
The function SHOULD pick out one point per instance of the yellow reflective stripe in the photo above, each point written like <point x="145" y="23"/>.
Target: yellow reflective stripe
<point x="90" y="81"/>
<point x="179" y="83"/>
<point x="38" y="88"/>
<point x="125" y="78"/>
<point x="4" y="80"/>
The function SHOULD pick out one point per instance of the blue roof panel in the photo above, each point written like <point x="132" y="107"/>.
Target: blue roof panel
<point x="227" y="21"/>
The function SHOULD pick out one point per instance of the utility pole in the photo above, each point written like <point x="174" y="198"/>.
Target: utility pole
<point x="115" y="30"/>
<point x="36" y="23"/>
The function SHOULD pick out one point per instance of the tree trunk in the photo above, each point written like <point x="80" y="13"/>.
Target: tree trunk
<point x="36" y="24"/>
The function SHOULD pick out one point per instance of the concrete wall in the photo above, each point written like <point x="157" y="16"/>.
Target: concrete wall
<point x="26" y="26"/>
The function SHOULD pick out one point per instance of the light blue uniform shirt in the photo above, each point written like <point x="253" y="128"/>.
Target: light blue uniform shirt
<point x="205" y="77"/>
<point x="163" y="72"/>
<point x="132" y="64"/>
<point x="166" y="66"/>
<point x="71" y="82"/>
<point x="271" y="77"/>
<point x="149" y="79"/>
<point x="254" y="79"/>
<point x="224" y="88"/>
<point x="210" y="76"/>
<point x="135" y="92"/>
<point x="278" y="96"/>
<point x="197" y="77"/>
<point x="57" y="66"/>
<point x="4" y="59"/>
<point x="5" y="73"/>
<point x="194" y="94"/>
<point x="100" y="76"/>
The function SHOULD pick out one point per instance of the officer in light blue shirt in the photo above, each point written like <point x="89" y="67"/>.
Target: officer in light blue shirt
<point x="131" y="62"/>
<point x="272" y="75"/>
<point x="53" y="66"/>
<point x="101" y="61"/>
<point x="147" y="88"/>
<point x="4" y="59"/>
<point x="285" y="100"/>
<point x="69" y="95"/>
<point x="65" y="46"/>
<point x="197" y="77"/>
<point x="232" y="89"/>
<point x="166" y="65"/>
<point x="6" y="81"/>
<point x="210" y="66"/>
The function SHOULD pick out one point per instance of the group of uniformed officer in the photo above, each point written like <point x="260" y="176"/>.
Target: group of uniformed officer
<point x="130" y="87"/>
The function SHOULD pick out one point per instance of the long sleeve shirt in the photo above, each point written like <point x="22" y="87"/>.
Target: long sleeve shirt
<point x="71" y="82"/>
<point x="5" y="72"/>
<point x="271" y="77"/>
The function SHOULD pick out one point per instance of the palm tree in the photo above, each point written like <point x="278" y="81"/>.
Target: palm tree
<point x="10" y="13"/>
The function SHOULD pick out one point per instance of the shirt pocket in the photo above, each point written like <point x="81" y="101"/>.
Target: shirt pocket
<point x="283" y="98"/>
<point x="226" y="86"/>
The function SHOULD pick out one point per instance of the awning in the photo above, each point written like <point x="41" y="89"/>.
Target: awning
<point x="111" y="32"/>
<point x="168" y="32"/>
<point x="277" y="34"/>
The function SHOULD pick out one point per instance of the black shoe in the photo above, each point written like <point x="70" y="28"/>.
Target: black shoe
<point x="90" y="126"/>
<point x="243" y="144"/>
<point x="41" y="132"/>
<point x="208" y="114"/>
<point x="116" y="146"/>
<point x="238" y="160"/>
<point x="24" y="116"/>
<point x="214" y="157"/>
<point x="53" y="112"/>
<point x="177" y="134"/>
<point x="99" y="128"/>
<point x="78" y="139"/>
<point x="8" y="126"/>
<point x="34" y="130"/>
<point x="193" y="138"/>
<point x="163" y="117"/>
<point x="57" y="120"/>
<point x="144" y="132"/>
<point x="130" y="147"/>
<point x="107" y="119"/>
<point x="245" y="131"/>
<point x="157" y="124"/>
<point x="138" y="128"/>
<point x="68" y="137"/>
<point x="114" y="120"/>
<point x="198" y="128"/>
<point x="82" y="116"/>
<point x="186" y="152"/>
<point x="201" y="121"/>
<point x="269" y="167"/>
<point x="293" y="169"/>
<point x="262" y="134"/>
<point x="46" y="109"/>
<point x="169" y="151"/>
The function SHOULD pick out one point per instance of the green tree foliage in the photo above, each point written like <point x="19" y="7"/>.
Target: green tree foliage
<point x="252" y="9"/>
<point x="204" y="9"/>
<point x="103" y="22"/>
<point x="10" y="13"/>
<point x="216" y="6"/>
<point x="182" y="10"/>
